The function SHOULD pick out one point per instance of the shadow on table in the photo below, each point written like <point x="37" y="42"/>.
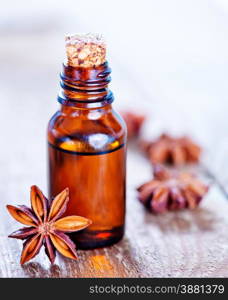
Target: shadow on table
<point x="113" y="261"/>
<point x="36" y="270"/>
<point x="200" y="219"/>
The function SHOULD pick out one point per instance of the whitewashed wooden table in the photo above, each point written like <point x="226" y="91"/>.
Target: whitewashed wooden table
<point x="176" y="244"/>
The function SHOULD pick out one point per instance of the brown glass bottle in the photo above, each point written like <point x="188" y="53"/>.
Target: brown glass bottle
<point x="87" y="153"/>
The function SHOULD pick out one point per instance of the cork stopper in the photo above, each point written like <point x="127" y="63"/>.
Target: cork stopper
<point x="85" y="50"/>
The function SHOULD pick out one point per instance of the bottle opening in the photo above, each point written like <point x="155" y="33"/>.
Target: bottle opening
<point x="85" y="50"/>
<point x="86" y="74"/>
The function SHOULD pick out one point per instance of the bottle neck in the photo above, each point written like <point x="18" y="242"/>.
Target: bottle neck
<point x="85" y="87"/>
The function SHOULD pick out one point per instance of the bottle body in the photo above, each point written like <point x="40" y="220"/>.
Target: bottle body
<point x="87" y="154"/>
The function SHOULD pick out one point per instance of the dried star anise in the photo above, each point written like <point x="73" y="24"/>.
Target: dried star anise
<point x="46" y="226"/>
<point x="171" y="190"/>
<point x="175" y="151"/>
<point x="134" y="123"/>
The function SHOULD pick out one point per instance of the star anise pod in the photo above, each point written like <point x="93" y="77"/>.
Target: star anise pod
<point x="171" y="190"/>
<point x="134" y="123"/>
<point x="175" y="151"/>
<point x="46" y="226"/>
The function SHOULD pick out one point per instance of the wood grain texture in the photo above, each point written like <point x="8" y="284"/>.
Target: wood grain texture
<point x="183" y="244"/>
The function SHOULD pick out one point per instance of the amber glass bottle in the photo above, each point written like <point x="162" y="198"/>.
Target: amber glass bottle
<point x="87" y="149"/>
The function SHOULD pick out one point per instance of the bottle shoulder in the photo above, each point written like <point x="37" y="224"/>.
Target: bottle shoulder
<point x="87" y="131"/>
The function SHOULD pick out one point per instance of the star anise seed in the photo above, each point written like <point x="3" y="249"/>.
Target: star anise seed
<point x="171" y="190"/>
<point x="46" y="226"/>
<point x="134" y="123"/>
<point x="175" y="151"/>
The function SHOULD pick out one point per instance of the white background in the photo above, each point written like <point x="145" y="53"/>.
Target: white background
<point x="169" y="59"/>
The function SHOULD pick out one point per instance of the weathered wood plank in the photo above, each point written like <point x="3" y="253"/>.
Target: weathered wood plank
<point x="174" y="244"/>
